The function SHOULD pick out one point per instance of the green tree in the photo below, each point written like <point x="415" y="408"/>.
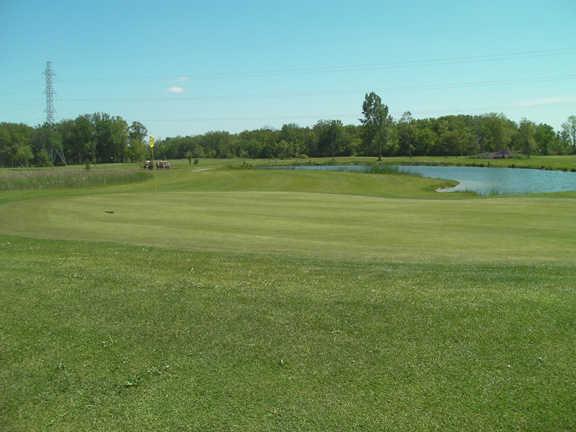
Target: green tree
<point x="6" y="152"/>
<point x="120" y="139"/>
<point x="137" y="133"/>
<point x="329" y="138"/>
<point x="14" y="144"/>
<point x="546" y="139"/>
<point x="406" y="134"/>
<point x="84" y="136"/>
<point x="77" y="139"/>
<point x="426" y="138"/>
<point x="23" y="155"/>
<point x="352" y="140"/>
<point x="525" y="140"/>
<point x="495" y="132"/>
<point x="569" y="133"/>
<point x="111" y="137"/>
<point x="295" y="136"/>
<point x="375" y="123"/>
<point x="47" y="145"/>
<point x="102" y="137"/>
<point x="66" y="130"/>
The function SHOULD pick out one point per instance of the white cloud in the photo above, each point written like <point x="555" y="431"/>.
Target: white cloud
<point x="558" y="100"/>
<point x="176" y="90"/>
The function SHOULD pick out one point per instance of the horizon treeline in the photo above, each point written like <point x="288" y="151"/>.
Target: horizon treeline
<point x="102" y="138"/>
<point x="453" y="135"/>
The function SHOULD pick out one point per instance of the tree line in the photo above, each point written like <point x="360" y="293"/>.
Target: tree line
<point x="90" y="138"/>
<point x="379" y="134"/>
<point x="103" y="138"/>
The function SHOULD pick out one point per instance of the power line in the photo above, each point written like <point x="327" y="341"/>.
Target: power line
<point x="419" y="113"/>
<point x="410" y="63"/>
<point x="495" y="57"/>
<point x="427" y="86"/>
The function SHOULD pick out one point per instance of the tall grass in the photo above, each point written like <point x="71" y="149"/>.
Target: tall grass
<point x="53" y="178"/>
<point x="382" y="168"/>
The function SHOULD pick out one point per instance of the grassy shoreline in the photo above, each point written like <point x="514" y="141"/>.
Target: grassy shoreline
<point x="559" y="163"/>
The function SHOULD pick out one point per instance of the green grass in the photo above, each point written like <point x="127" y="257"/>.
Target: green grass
<point x="233" y="299"/>
<point x="328" y="225"/>
<point x="567" y="163"/>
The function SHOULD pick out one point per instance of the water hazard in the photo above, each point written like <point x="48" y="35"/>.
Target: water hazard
<point x="483" y="181"/>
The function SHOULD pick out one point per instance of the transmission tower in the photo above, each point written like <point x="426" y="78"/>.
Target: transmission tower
<point x="49" y="76"/>
<point x="52" y="150"/>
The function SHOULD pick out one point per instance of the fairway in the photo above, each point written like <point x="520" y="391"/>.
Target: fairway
<point x="226" y="298"/>
<point x="328" y="225"/>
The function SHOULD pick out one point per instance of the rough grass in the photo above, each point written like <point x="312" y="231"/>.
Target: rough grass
<point x="69" y="177"/>
<point x="265" y="300"/>
<point x="100" y="337"/>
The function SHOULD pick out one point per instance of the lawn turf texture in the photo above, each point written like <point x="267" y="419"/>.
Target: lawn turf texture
<point x="235" y="299"/>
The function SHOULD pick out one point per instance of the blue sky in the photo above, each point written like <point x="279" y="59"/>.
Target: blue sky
<point x="186" y="67"/>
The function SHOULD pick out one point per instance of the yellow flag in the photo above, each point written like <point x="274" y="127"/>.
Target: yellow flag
<point x="152" y="141"/>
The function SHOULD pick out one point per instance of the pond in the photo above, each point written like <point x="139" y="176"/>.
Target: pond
<point x="498" y="181"/>
<point x="483" y="181"/>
